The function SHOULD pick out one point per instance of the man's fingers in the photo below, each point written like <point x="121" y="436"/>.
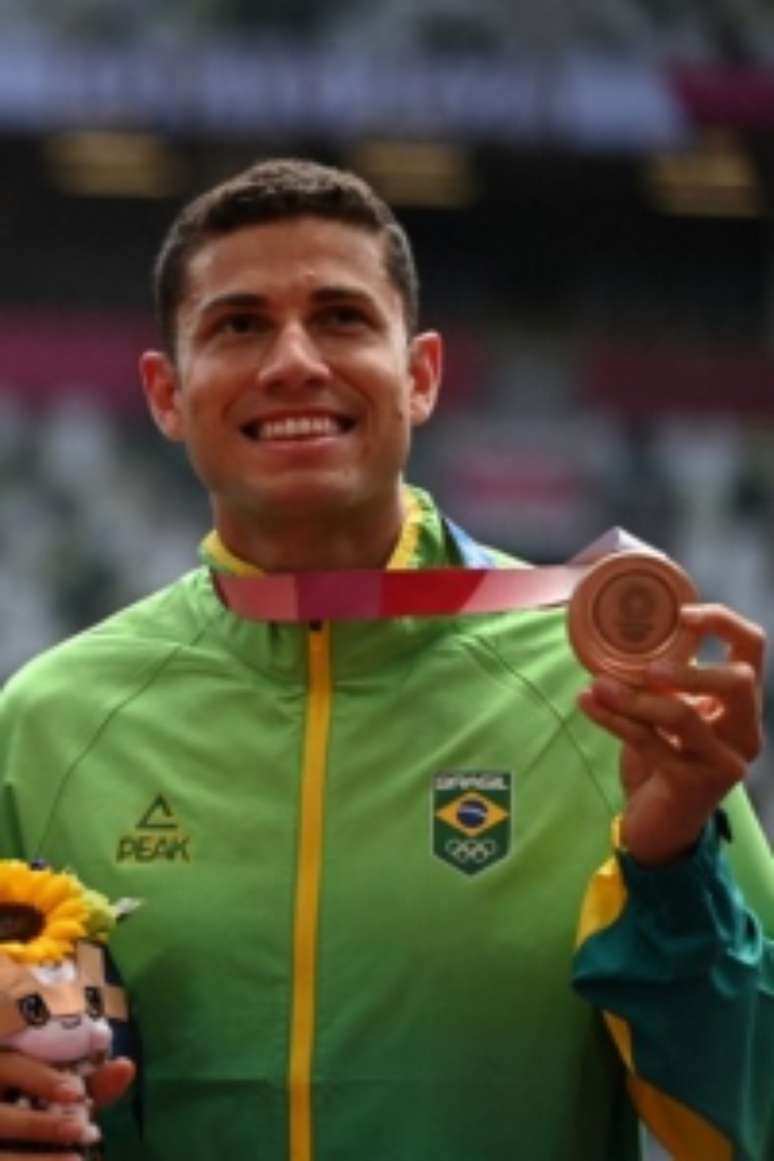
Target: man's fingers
<point x="4" y="1156"/>
<point x="53" y="1128"/>
<point x="68" y="1124"/>
<point x="628" y="731"/>
<point x="733" y="679"/>
<point x="8" y="1156"/>
<point x="36" y="1078"/>
<point x="111" y="1080"/>
<point x="746" y="641"/>
<point x="670" y="735"/>
<point x="726" y="696"/>
<point x="682" y="713"/>
<point x="649" y="711"/>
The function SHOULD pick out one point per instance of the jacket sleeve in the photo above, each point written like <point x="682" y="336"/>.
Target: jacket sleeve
<point x="682" y="967"/>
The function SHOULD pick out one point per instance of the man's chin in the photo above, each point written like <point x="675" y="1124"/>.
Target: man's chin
<point x="305" y="500"/>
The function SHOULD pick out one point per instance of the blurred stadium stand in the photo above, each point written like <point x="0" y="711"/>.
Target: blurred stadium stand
<point x="690" y="31"/>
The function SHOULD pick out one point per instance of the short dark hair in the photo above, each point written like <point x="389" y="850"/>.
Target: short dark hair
<point x="271" y="191"/>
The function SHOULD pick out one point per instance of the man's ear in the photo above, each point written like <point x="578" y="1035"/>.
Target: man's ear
<point x="425" y="366"/>
<point x="162" y="391"/>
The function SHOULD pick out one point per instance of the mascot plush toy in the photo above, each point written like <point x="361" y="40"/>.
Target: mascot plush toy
<point x="55" y="1002"/>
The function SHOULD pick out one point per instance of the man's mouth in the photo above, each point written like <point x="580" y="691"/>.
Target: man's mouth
<point x="297" y="427"/>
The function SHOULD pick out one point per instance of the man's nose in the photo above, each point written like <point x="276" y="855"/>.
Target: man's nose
<point x="293" y="360"/>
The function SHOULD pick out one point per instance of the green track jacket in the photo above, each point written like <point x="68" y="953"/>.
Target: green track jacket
<point x="363" y="851"/>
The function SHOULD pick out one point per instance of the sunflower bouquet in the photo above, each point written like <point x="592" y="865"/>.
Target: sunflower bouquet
<point x="55" y="1000"/>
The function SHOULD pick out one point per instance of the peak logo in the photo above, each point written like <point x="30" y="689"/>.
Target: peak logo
<point x="157" y="837"/>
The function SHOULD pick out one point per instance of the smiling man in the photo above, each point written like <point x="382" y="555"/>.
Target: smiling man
<point x="366" y="850"/>
<point x="294" y="384"/>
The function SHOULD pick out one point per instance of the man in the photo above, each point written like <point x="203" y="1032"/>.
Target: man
<point x="363" y="848"/>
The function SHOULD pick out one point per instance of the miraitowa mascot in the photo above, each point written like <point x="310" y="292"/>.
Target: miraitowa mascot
<point x="55" y="1001"/>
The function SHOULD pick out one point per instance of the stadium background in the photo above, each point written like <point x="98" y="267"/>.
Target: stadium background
<point x="589" y="188"/>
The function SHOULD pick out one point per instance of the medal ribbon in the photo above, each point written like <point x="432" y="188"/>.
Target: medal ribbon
<point x="367" y="595"/>
<point x="377" y="594"/>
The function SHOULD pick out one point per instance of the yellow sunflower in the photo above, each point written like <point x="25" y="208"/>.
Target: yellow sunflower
<point x="42" y="913"/>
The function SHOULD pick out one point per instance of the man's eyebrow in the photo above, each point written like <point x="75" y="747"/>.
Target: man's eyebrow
<point x="246" y="300"/>
<point x="241" y="300"/>
<point x="330" y="293"/>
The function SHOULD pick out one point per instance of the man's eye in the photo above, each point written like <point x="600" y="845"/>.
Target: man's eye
<point x="34" y="1009"/>
<point x="345" y="316"/>
<point x="239" y="324"/>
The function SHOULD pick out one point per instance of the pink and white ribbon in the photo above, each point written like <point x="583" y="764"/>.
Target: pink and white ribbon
<point x="377" y="594"/>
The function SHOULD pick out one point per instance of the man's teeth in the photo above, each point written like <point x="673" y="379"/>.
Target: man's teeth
<point x="298" y="427"/>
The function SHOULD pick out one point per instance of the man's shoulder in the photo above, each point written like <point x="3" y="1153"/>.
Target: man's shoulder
<point x="532" y="642"/>
<point x="528" y="637"/>
<point x="532" y="645"/>
<point x="120" y="648"/>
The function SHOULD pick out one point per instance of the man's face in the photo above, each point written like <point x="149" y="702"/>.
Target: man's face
<point x="294" y="387"/>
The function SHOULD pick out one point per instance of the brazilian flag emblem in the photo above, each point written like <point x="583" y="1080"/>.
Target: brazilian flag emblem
<point x="471" y="813"/>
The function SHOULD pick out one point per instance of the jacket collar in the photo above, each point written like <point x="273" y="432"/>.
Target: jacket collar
<point x="280" y="650"/>
<point x="214" y="553"/>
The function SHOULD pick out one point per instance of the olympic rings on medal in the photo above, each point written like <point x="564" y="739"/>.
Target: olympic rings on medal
<point x="470" y="850"/>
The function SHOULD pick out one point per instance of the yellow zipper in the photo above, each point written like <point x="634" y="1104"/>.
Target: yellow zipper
<point x="309" y="859"/>
<point x="308" y="875"/>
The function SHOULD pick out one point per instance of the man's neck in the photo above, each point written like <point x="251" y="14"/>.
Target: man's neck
<point x="306" y="545"/>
